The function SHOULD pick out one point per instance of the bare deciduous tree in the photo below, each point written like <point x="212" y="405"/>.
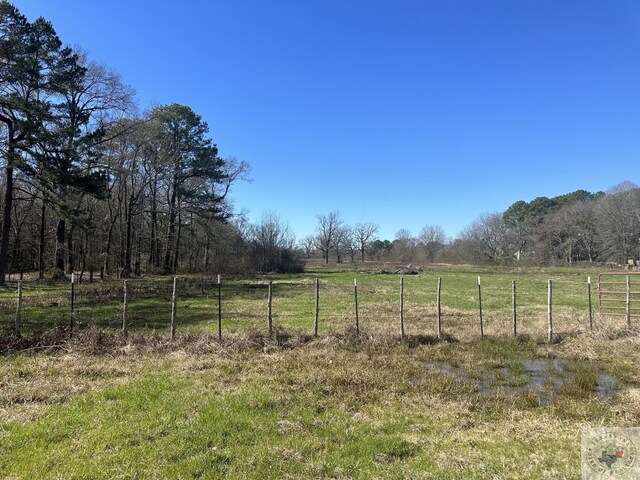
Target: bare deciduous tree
<point x="433" y="239"/>
<point x="487" y="238"/>
<point x="404" y="245"/>
<point x="619" y="221"/>
<point x="272" y="245"/>
<point x="365" y="234"/>
<point x="308" y="245"/>
<point x="327" y="232"/>
<point x="348" y="242"/>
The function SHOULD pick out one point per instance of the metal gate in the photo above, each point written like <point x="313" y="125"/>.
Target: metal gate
<point x="619" y="294"/>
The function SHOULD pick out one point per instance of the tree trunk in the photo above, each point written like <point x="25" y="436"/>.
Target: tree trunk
<point x="104" y="269"/>
<point x="16" y="261"/>
<point x="15" y="255"/>
<point x="179" y="233"/>
<point x="70" y="252"/>
<point x="8" y="205"/>
<point x="126" y="270"/>
<point x="60" y="241"/>
<point x="85" y="253"/>
<point x="192" y="249"/>
<point x="138" y="237"/>
<point x="138" y="264"/>
<point x="122" y="208"/>
<point x="171" y="235"/>
<point x="154" y="247"/>
<point x="107" y="252"/>
<point x="41" y="245"/>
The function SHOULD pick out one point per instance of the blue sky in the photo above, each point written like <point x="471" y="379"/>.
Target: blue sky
<point x="402" y="113"/>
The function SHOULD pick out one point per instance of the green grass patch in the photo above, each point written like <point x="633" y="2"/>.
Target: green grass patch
<point x="244" y="302"/>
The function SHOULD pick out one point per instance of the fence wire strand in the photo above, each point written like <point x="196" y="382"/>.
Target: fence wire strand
<point x="244" y="305"/>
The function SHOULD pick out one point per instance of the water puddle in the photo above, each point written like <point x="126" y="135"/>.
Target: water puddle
<point x="539" y="373"/>
<point x="543" y="379"/>
<point x="606" y="386"/>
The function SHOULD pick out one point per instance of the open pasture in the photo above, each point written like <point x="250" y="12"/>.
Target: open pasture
<point x="244" y="303"/>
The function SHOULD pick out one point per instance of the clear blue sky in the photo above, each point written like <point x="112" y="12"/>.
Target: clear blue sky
<point x="402" y="113"/>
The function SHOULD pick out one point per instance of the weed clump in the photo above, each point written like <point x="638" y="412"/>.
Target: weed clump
<point x="52" y="339"/>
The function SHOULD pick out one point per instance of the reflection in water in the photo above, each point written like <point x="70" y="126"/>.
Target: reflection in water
<point x="542" y="378"/>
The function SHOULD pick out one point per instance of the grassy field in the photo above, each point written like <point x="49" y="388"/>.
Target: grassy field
<point x="244" y="302"/>
<point x="338" y="406"/>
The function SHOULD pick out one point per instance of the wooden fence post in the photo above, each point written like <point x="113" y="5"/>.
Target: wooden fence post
<point x="480" y="306"/>
<point x="269" y="318"/>
<point x="73" y="298"/>
<point x="549" y="311"/>
<point x="18" y="309"/>
<point x="402" y="308"/>
<point x="589" y="296"/>
<point x="315" y="322"/>
<point x="174" y="299"/>
<point x="355" y="296"/>
<point x="125" y="309"/>
<point x="439" y="305"/>
<point x="628" y="302"/>
<point x="513" y="305"/>
<point x="219" y="308"/>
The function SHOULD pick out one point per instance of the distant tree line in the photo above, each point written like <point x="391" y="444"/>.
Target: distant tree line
<point x="580" y="226"/>
<point x="576" y="227"/>
<point x="333" y="240"/>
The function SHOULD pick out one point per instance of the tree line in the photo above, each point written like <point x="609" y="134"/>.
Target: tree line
<point x="89" y="183"/>
<point x="580" y="226"/>
<point x="335" y="240"/>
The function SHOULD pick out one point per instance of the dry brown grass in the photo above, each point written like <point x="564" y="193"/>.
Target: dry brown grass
<point x="31" y="384"/>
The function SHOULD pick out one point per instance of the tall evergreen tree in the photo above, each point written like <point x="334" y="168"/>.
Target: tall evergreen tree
<point x="195" y="176"/>
<point x="34" y="70"/>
